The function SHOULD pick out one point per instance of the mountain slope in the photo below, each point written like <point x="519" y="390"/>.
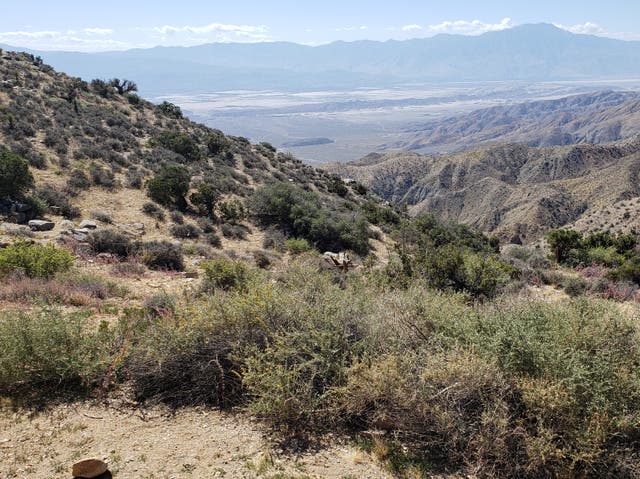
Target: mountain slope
<point x="93" y="150"/>
<point x="588" y="118"/>
<point x="509" y="190"/>
<point x="527" y="52"/>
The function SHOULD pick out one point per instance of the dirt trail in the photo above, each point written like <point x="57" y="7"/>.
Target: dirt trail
<point x="154" y="444"/>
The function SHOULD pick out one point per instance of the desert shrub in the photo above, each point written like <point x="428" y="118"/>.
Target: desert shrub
<point x="606" y="256"/>
<point x="134" y="177"/>
<point x="232" y="210"/>
<point x="128" y="269"/>
<point x="274" y="239"/>
<point x="300" y="214"/>
<point x="78" y="180"/>
<point x="48" y="354"/>
<point x="170" y="186"/>
<point x="169" y="109"/>
<point x="575" y="286"/>
<point x="110" y="241"/>
<point x="223" y="274"/>
<point x="161" y="304"/>
<point x="153" y="210"/>
<point x="68" y="289"/>
<point x="102" y="216"/>
<point x="188" y="230"/>
<point x="102" y="176"/>
<point x="179" y="143"/>
<point x="233" y="231"/>
<point x="205" y="198"/>
<point x="34" y="260"/>
<point x="337" y="186"/>
<point x="214" y="240"/>
<point x="297" y="246"/>
<point x="15" y="177"/>
<point x="53" y="197"/>
<point x="217" y="143"/>
<point x="206" y="225"/>
<point x="162" y="255"/>
<point x="262" y="258"/>
<point x="379" y="215"/>
<point x="176" y="217"/>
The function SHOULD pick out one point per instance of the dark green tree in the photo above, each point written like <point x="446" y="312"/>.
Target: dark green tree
<point x="205" y="198"/>
<point x="170" y="186"/>
<point x="15" y="177"/>
<point x="562" y="242"/>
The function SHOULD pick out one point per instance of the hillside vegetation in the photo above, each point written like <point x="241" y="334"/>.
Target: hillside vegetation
<point x="170" y="264"/>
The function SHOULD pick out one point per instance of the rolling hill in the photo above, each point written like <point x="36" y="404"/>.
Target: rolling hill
<point x="598" y="117"/>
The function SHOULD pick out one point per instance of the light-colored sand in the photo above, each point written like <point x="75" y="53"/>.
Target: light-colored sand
<point x="153" y="443"/>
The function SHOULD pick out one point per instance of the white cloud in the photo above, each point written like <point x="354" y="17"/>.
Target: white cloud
<point x="98" y="31"/>
<point x="588" y="28"/>
<point x="352" y="29"/>
<point x="411" y="28"/>
<point x="466" y="27"/>
<point x="216" y="32"/>
<point x="78" y="40"/>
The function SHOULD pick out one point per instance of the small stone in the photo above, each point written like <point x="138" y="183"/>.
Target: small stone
<point x="138" y="226"/>
<point x="89" y="468"/>
<point x="88" y="224"/>
<point x="41" y="225"/>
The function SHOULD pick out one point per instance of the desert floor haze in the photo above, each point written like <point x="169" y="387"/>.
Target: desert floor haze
<point x="414" y="258"/>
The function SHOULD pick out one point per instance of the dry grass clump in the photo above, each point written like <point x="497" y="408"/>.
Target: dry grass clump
<point x="65" y="289"/>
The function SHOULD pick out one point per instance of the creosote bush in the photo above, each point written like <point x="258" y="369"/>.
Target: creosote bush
<point x="45" y="354"/>
<point x="34" y="260"/>
<point x="224" y="274"/>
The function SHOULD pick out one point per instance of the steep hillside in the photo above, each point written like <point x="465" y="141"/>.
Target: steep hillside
<point x="98" y="151"/>
<point x="589" y="118"/>
<point x="510" y="190"/>
<point x="527" y="52"/>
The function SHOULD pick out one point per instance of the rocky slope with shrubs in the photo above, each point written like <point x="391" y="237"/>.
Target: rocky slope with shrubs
<point x="511" y="190"/>
<point x="598" y="117"/>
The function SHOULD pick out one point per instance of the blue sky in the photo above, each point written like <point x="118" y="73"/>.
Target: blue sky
<point x="94" y="26"/>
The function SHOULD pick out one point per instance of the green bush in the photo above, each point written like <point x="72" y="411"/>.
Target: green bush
<point x="301" y="214"/>
<point x="169" y="109"/>
<point x="15" y="177"/>
<point x="205" y="198"/>
<point x="110" y="241"/>
<point x="162" y="255"/>
<point x="297" y="245"/>
<point x="48" y="354"/>
<point x="170" y="186"/>
<point x="223" y="274"/>
<point x="179" y="143"/>
<point x="34" y="260"/>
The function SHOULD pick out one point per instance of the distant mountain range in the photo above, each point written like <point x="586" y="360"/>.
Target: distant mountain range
<point x="598" y="117"/>
<point x="527" y="52"/>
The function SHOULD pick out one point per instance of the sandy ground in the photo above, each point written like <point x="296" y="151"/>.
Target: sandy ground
<point x="155" y="444"/>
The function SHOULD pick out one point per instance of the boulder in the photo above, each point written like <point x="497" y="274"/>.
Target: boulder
<point x="89" y="468"/>
<point x="80" y="234"/>
<point x="67" y="225"/>
<point x="41" y="225"/>
<point x="88" y="224"/>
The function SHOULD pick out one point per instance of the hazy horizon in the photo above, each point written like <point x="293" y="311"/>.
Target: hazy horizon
<point x="148" y="24"/>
